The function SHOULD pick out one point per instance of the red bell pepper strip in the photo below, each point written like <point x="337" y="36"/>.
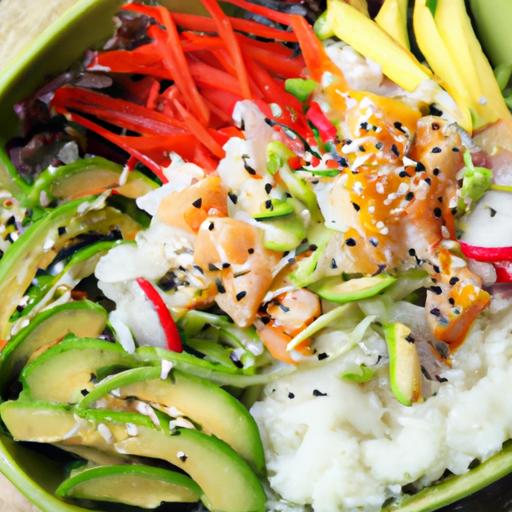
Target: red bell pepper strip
<point x="325" y="128"/>
<point x="203" y="24"/>
<point x="122" y="113"/>
<point x="487" y="254"/>
<point x="172" y="334"/>
<point x="503" y="271"/>
<point x="118" y="141"/>
<point x="276" y="16"/>
<point x="199" y="130"/>
<point x="209" y="76"/>
<point x="225" y="30"/>
<point x="176" y="63"/>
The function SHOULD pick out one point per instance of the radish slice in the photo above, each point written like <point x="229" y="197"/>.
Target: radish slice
<point x="503" y="271"/>
<point x="488" y="254"/>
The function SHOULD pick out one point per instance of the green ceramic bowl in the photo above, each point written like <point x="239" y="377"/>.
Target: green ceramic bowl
<point x="87" y="23"/>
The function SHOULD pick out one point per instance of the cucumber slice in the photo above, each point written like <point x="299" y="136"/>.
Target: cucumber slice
<point x="67" y="369"/>
<point x="274" y="208"/>
<point x="206" y="404"/>
<point x="339" y="291"/>
<point x="136" y="485"/>
<point x="84" y="319"/>
<point x="404" y="364"/>
<point x="283" y="233"/>
<point x="87" y="177"/>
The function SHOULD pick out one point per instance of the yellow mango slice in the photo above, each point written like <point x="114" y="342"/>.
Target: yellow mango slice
<point x="365" y="36"/>
<point x="392" y="18"/>
<point x="440" y="60"/>
<point x="455" y="28"/>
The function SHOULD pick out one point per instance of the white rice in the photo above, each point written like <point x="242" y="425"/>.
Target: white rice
<point x="357" y="446"/>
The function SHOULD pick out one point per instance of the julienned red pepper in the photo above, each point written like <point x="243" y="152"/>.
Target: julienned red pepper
<point x="487" y="254"/>
<point x="172" y="334"/>
<point x="325" y="128"/>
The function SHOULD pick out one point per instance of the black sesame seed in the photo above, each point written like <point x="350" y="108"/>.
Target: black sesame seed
<point x="454" y="280"/>
<point x="436" y="149"/>
<point x="412" y="252"/>
<point x="364" y="125"/>
<point x="343" y="162"/>
<point x="451" y="300"/>
<point x="435" y="126"/>
<point x="435" y="312"/>
<point x="492" y="211"/>
<point x="250" y="250"/>
<point x="212" y="267"/>
<point x="322" y="356"/>
<point x="199" y="269"/>
<point x="436" y="269"/>
<point x="240" y="295"/>
<point x="211" y="226"/>
<point x="438" y="212"/>
<point x="61" y="231"/>
<point x="361" y="148"/>
<point x="316" y="392"/>
<point x="247" y="167"/>
<point x="409" y="196"/>
<point x="313" y="247"/>
<point x="409" y="339"/>
<point x="182" y="457"/>
<point x="226" y="265"/>
<point x="269" y="205"/>
<point x="291" y="396"/>
<point x="220" y="286"/>
<point x="285" y="309"/>
<point x="435" y="111"/>
<point x="268" y="187"/>
<point x="265" y="319"/>
<point x="436" y="172"/>
<point x="455" y="149"/>
<point x="398" y="126"/>
<point x="197" y="203"/>
<point x="419" y="167"/>
<point x="373" y="241"/>
<point x="379" y="145"/>
<point x="233" y="197"/>
<point x="436" y="289"/>
<point x="356" y="207"/>
<point x="428" y="181"/>
<point x="334" y="265"/>
<point x="350" y="242"/>
<point x="394" y="150"/>
<point x="403" y="174"/>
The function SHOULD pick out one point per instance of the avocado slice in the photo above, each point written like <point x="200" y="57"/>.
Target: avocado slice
<point x="404" y="364"/>
<point x="65" y="370"/>
<point x="81" y="265"/>
<point x="43" y="423"/>
<point x="341" y="292"/>
<point x="206" y="404"/>
<point x="283" y="233"/>
<point x="86" y="177"/>
<point x="38" y="245"/>
<point x="136" y="485"/>
<point x="83" y="318"/>
<point x="228" y="483"/>
<point x="274" y="208"/>
<point x="93" y="455"/>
